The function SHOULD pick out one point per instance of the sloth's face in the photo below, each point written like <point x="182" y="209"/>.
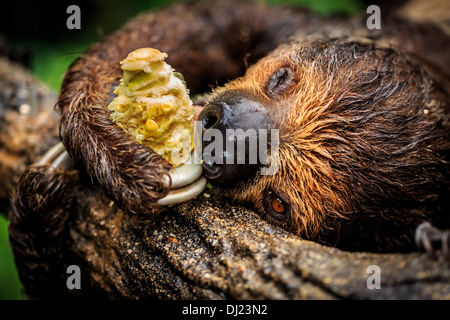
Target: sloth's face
<point x="337" y="108"/>
<point x="282" y="93"/>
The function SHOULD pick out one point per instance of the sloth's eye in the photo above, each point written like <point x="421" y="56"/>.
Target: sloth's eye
<point x="279" y="82"/>
<point x="276" y="206"/>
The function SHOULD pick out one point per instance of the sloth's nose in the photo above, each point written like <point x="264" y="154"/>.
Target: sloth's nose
<point x="211" y="117"/>
<point x="230" y="138"/>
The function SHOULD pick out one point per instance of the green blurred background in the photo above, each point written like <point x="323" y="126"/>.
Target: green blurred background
<point x="39" y="30"/>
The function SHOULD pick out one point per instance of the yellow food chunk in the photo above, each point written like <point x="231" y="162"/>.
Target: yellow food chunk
<point x="151" y="125"/>
<point x="167" y="107"/>
<point x="153" y="105"/>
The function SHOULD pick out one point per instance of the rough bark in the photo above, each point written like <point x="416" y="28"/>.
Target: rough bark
<point x="210" y="249"/>
<point x="27" y="124"/>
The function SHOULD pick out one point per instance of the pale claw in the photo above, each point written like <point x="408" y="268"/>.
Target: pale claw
<point x="57" y="157"/>
<point x="184" y="194"/>
<point x="187" y="179"/>
<point x="429" y="238"/>
<point x="187" y="182"/>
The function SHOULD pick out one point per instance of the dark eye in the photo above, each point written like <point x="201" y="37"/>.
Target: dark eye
<point x="276" y="206"/>
<point x="279" y="82"/>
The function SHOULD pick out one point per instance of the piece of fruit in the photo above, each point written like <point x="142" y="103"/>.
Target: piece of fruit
<point x="153" y="105"/>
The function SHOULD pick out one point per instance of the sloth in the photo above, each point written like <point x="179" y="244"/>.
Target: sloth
<point x="363" y="143"/>
<point x="362" y="116"/>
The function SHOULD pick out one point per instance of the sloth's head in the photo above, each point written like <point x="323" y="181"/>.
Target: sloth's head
<point x="359" y="137"/>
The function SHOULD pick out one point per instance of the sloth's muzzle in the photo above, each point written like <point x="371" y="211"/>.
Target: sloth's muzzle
<point x="231" y="137"/>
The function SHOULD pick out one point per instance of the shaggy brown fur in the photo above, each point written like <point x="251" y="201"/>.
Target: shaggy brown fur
<point x="364" y="123"/>
<point x="364" y="145"/>
<point x="39" y="229"/>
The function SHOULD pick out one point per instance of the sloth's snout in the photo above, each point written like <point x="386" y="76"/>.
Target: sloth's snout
<point x="230" y="137"/>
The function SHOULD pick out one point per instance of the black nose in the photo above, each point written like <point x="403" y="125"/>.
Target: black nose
<point x="210" y="116"/>
<point x="230" y="136"/>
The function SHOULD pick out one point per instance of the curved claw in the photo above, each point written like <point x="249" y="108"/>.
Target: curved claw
<point x="187" y="173"/>
<point x="187" y="179"/>
<point x="184" y="194"/>
<point x="187" y="182"/>
<point x="57" y="157"/>
<point x="428" y="238"/>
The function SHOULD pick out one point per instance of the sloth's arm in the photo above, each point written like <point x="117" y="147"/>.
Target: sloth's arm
<point x="207" y="42"/>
